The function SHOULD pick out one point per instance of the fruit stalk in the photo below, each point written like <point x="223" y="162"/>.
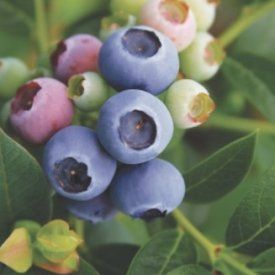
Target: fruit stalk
<point x="248" y="16"/>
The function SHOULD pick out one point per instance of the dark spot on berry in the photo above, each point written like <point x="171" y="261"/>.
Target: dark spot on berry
<point x="25" y="96"/>
<point x="97" y="212"/>
<point x="137" y="130"/>
<point x="72" y="175"/>
<point x="85" y="40"/>
<point x="141" y="43"/>
<point x="61" y="48"/>
<point x="151" y="214"/>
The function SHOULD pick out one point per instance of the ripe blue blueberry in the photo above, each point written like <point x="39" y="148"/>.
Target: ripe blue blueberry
<point x="148" y="190"/>
<point x="77" y="166"/>
<point x="134" y="126"/>
<point x="95" y="210"/>
<point x="139" y="58"/>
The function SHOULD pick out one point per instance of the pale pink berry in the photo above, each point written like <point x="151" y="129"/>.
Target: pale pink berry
<point x="77" y="54"/>
<point x="172" y="17"/>
<point x="40" y="108"/>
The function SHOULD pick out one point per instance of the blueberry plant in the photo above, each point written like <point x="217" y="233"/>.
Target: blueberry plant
<point x="137" y="137"/>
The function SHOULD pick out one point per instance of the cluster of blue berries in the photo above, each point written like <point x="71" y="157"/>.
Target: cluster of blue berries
<point x="115" y="165"/>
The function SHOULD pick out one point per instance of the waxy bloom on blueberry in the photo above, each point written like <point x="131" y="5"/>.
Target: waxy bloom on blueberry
<point x="95" y="210"/>
<point x="134" y="126"/>
<point x="148" y="190"/>
<point x="77" y="166"/>
<point x="204" y="12"/>
<point x="87" y="90"/>
<point x="139" y="58"/>
<point x="74" y="55"/>
<point x="13" y="73"/>
<point x="202" y="60"/>
<point x="174" y="18"/>
<point x="126" y="6"/>
<point x="40" y="108"/>
<point x="189" y="103"/>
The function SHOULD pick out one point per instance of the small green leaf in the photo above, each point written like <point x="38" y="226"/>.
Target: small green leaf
<point x="16" y="251"/>
<point x="56" y="241"/>
<point x="246" y="79"/>
<point x="24" y="192"/>
<point x="31" y="226"/>
<point x="252" y="227"/>
<point x="86" y="269"/>
<point x="164" y="252"/>
<point x="113" y="259"/>
<point x="264" y="263"/>
<point x="190" y="269"/>
<point x="220" y="173"/>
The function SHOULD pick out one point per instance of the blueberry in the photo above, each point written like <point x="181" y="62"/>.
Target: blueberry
<point x="139" y="58"/>
<point x="134" y="126"/>
<point x="204" y="11"/>
<point x="189" y="103"/>
<point x="40" y="108"/>
<point x="13" y="73"/>
<point x="174" y="18"/>
<point x="77" y="54"/>
<point x="77" y="166"/>
<point x="88" y="91"/>
<point x="148" y="190"/>
<point x="95" y="210"/>
<point x="202" y="60"/>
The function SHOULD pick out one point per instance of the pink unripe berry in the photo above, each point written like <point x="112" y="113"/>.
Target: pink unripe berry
<point x="172" y="17"/>
<point x="40" y="108"/>
<point x="77" y="54"/>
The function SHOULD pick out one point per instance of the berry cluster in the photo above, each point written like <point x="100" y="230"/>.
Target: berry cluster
<point x="115" y="165"/>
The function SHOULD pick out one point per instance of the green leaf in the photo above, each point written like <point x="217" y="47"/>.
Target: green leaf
<point x="264" y="263"/>
<point x="86" y="269"/>
<point x="189" y="270"/>
<point x="113" y="259"/>
<point x="24" y="192"/>
<point x="56" y="241"/>
<point x="220" y="173"/>
<point x="163" y="253"/>
<point x="251" y="84"/>
<point x="252" y="227"/>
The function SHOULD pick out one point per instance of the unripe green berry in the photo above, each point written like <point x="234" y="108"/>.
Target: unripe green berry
<point x="13" y="73"/>
<point x="189" y="103"/>
<point x="204" y="11"/>
<point x="113" y="23"/>
<point x="88" y="91"/>
<point x="127" y="6"/>
<point x="202" y="59"/>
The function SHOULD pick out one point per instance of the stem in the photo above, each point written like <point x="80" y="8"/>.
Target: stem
<point x="195" y="234"/>
<point x="236" y="264"/>
<point x="248" y="16"/>
<point x="239" y="124"/>
<point x="212" y="250"/>
<point x="41" y="26"/>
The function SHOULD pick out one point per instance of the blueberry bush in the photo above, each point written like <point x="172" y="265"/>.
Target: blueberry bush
<point x="137" y="137"/>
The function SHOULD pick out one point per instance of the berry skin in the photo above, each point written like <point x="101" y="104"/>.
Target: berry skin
<point x="189" y="103"/>
<point x="77" y="54"/>
<point x="148" y="190"/>
<point x="134" y="126"/>
<point x="40" y="108"/>
<point x="95" y="210"/>
<point x="77" y="166"/>
<point x="202" y="60"/>
<point x="139" y="58"/>
<point x="13" y="73"/>
<point x="128" y="7"/>
<point x="88" y="91"/>
<point x="174" y="18"/>
<point x="204" y="12"/>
